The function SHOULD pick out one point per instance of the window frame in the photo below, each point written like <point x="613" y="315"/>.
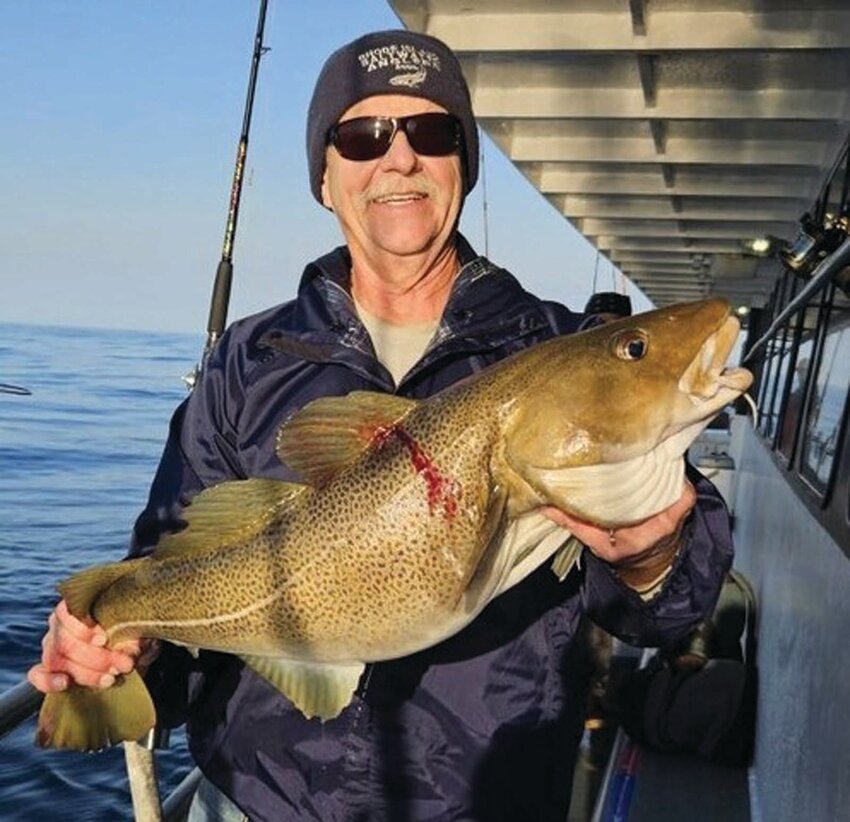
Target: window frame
<point x="821" y="495"/>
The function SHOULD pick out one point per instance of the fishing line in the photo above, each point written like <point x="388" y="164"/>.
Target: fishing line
<point x="753" y="407"/>
<point x="595" y="270"/>
<point x="484" y="202"/>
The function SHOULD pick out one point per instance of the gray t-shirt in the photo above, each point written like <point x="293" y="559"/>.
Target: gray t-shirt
<point x="397" y="347"/>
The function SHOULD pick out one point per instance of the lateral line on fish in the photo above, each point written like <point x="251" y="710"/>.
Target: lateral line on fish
<point x="193" y="623"/>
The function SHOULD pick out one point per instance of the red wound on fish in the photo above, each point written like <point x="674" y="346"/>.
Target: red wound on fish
<point x="444" y="492"/>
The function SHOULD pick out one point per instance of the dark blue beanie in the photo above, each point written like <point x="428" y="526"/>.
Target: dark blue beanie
<point x="388" y="62"/>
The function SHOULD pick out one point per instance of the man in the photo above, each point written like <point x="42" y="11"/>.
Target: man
<point x="484" y="725"/>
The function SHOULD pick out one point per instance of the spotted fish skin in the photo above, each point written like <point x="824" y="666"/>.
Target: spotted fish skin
<point x="361" y="568"/>
<point x="408" y="522"/>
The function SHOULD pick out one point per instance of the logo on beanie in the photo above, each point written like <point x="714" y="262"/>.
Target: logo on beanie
<point x="412" y="63"/>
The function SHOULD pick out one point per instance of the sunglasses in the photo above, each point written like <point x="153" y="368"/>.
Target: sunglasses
<point x="434" y="134"/>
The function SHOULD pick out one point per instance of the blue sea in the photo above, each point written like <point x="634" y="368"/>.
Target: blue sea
<point x="76" y="458"/>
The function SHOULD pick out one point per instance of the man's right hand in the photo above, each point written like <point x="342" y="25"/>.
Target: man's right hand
<point x="73" y="651"/>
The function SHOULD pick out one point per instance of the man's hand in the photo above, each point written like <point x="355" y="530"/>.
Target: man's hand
<point x="73" y="651"/>
<point x="629" y="544"/>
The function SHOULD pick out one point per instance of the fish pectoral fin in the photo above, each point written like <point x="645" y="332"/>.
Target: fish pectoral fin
<point x="567" y="557"/>
<point x="330" y="433"/>
<point x="315" y="688"/>
<point x="229" y="513"/>
<point x="89" y="719"/>
<point x="532" y="539"/>
<point x="82" y="589"/>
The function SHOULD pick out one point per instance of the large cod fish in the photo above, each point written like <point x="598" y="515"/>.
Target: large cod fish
<point x="413" y="515"/>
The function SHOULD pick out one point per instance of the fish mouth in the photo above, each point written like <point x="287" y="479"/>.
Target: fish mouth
<point x="707" y="382"/>
<point x="707" y="386"/>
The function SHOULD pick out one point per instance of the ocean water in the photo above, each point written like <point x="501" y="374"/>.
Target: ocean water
<point x="76" y="458"/>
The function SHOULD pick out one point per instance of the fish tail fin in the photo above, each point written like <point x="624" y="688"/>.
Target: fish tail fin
<point x="88" y="719"/>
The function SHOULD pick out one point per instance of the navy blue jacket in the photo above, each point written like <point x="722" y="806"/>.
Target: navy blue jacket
<point x="482" y="726"/>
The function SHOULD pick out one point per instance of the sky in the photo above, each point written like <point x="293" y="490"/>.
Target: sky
<point x="118" y="138"/>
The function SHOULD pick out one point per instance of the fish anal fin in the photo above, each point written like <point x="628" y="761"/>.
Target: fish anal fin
<point x="315" y="688"/>
<point x="82" y="589"/>
<point x="89" y="719"/>
<point x="229" y="513"/>
<point x="331" y="433"/>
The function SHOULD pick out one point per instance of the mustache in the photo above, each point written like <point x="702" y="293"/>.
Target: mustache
<point x="407" y="185"/>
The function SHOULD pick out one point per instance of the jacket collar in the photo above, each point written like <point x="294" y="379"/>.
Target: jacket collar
<point x="487" y="307"/>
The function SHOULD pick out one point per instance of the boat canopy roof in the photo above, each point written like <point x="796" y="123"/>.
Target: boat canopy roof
<point x="670" y="133"/>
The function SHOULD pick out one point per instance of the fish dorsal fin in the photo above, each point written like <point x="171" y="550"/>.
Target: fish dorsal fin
<point x="229" y="513"/>
<point x="330" y="433"/>
<point x="315" y="688"/>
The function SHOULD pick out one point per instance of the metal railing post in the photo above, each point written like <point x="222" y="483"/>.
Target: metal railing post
<point x="17" y="705"/>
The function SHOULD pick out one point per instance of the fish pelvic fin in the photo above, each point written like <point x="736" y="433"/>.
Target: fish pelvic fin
<point x="331" y="433"/>
<point x="89" y="719"/>
<point x="229" y="513"/>
<point x="317" y="689"/>
<point x="81" y="590"/>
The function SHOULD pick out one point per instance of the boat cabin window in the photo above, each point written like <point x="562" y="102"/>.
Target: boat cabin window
<point x="776" y="364"/>
<point x="784" y="345"/>
<point x="766" y="386"/>
<point x="802" y="372"/>
<point x="801" y="361"/>
<point x="766" y="366"/>
<point x="825" y="411"/>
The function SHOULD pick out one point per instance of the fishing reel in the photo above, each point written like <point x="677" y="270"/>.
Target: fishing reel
<point x="814" y="243"/>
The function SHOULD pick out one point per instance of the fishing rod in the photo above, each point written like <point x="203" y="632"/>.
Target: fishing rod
<point x="224" y="273"/>
<point x="139" y="756"/>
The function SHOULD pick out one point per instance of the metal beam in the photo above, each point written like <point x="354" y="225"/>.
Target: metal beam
<point x="631" y="258"/>
<point x="673" y="269"/>
<point x="526" y="147"/>
<point x="719" y="180"/>
<point x="672" y="29"/>
<point x="658" y="129"/>
<point x="614" y="244"/>
<point x="646" y="72"/>
<point x="734" y="231"/>
<point x="722" y="209"/>
<point x="637" y="10"/>
<point x="509" y="97"/>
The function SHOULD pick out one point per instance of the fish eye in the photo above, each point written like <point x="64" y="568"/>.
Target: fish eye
<point x="631" y="345"/>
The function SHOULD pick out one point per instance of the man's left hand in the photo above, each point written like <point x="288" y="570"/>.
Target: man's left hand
<point x="629" y="542"/>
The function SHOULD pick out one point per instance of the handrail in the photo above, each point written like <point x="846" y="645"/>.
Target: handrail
<point x="17" y="705"/>
<point x="820" y="279"/>
<point x="176" y="806"/>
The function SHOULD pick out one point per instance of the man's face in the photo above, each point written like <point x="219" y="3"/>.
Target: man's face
<point x="402" y="203"/>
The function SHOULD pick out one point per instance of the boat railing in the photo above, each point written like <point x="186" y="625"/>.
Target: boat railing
<point x="17" y="705"/>
<point x="22" y="701"/>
